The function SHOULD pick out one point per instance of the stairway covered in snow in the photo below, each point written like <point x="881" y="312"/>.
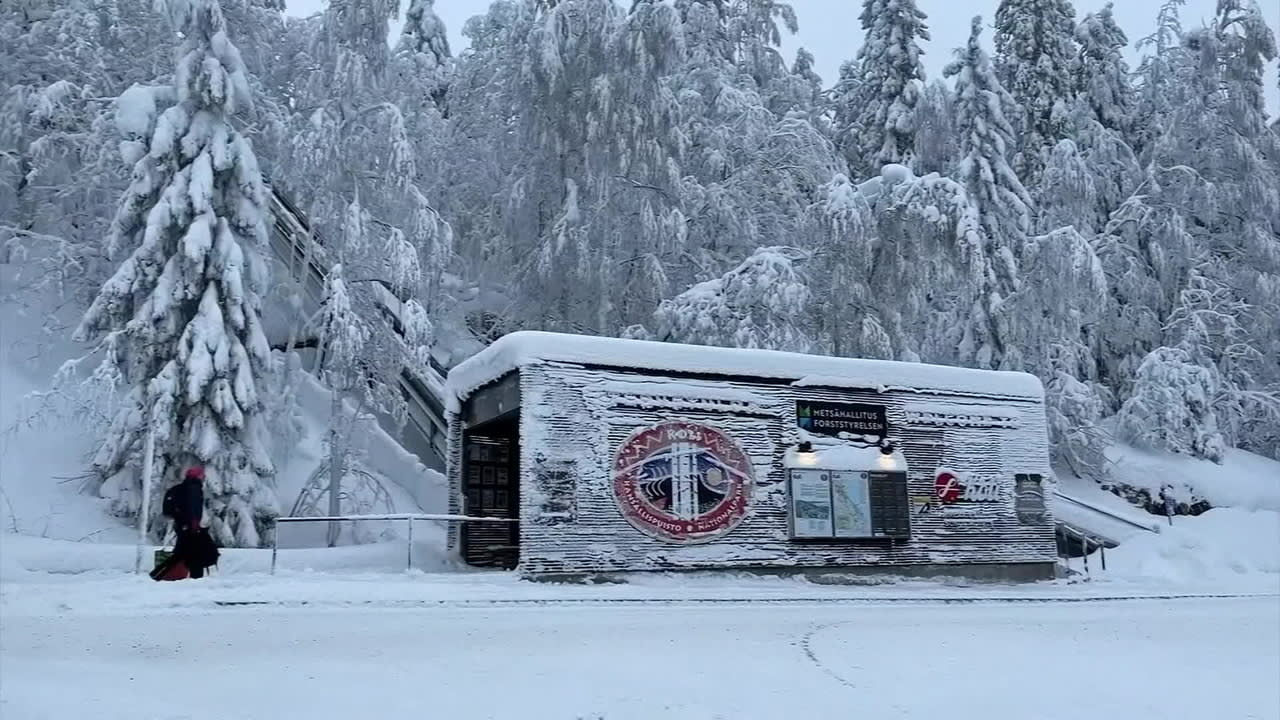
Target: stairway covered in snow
<point x="296" y="246"/>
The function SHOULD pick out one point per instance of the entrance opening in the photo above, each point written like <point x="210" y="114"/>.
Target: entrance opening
<point x="491" y="487"/>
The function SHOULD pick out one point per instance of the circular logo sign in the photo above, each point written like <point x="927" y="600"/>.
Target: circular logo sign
<point x="682" y="482"/>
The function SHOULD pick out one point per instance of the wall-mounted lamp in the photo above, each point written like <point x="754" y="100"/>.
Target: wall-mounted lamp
<point x="805" y="454"/>
<point x="886" y="460"/>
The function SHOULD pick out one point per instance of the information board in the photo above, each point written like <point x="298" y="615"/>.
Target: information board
<point x="890" y="509"/>
<point x="810" y="503"/>
<point x="850" y="504"/>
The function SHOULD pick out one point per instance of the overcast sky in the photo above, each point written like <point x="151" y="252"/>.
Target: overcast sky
<point x="830" y="29"/>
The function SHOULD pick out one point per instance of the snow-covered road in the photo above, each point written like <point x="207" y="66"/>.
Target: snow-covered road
<point x="1082" y="661"/>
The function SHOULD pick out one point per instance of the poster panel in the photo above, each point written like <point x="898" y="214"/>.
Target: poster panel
<point x="851" y="504"/>
<point x="811" y="503"/>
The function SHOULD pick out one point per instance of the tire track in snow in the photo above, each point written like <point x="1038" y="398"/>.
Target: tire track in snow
<point x="806" y="644"/>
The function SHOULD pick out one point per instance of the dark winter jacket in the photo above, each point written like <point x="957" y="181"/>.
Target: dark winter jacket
<point x="188" y="503"/>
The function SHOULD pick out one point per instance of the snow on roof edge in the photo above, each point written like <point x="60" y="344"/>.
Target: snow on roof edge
<point x="528" y="347"/>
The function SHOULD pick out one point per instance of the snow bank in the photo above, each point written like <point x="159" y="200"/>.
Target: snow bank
<point x="526" y="348"/>
<point x="1244" y="480"/>
<point x="1223" y="544"/>
<point x="23" y="557"/>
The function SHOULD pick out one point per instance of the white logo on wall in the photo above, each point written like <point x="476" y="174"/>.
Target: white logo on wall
<point x="952" y="486"/>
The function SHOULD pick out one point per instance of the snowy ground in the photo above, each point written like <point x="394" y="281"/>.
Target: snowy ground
<point x="1136" y="660"/>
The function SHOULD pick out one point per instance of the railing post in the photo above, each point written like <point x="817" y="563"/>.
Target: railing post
<point x="410" y="566"/>
<point x="1084" y="544"/>
<point x="275" y="546"/>
<point x="1102" y="553"/>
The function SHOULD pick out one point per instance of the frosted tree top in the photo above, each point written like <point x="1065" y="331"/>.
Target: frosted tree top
<point x="520" y="349"/>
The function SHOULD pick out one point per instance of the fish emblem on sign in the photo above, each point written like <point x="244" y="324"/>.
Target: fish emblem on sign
<point x="682" y="482"/>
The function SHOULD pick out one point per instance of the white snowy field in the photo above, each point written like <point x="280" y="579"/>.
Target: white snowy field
<point x="1079" y="661"/>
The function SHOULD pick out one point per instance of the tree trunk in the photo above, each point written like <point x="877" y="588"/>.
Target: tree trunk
<point x="337" y="457"/>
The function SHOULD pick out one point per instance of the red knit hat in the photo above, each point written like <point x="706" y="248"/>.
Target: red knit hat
<point x="195" y="472"/>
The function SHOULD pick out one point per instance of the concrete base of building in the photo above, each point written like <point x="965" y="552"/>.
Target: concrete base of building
<point x="847" y="575"/>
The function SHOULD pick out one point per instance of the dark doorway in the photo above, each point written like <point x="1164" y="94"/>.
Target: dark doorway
<point x="491" y="488"/>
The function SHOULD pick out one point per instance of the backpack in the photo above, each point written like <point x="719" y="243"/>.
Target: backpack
<point x="170" y="505"/>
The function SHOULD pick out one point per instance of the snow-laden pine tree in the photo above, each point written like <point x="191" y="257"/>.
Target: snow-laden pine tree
<point x="1100" y="123"/>
<point x="898" y="269"/>
<point x="877" y="123"/>
<point x="424" y="48"/>
<point x="1003" y="207"/>
<point x="1086" y="181"/>
<point x="1067" y="193"/>
<point x="749" y="173"/>
<point x="1051" y="331"/>
<point x="421" y="70"/>
<point x="1101" y="74"/>
<point x="936" y="145"/>
<point x="1035" y="48"/>
<point x="1192" y="254"/>
<point x="59" y="175"/>
<point x="353" y="148"/>
<point x="178" y="324"/>
<point x="762" y="303"/>
<point x="564" y="115"/>
<point x="1161" y="61"/>
<point x="1171" y="407"/>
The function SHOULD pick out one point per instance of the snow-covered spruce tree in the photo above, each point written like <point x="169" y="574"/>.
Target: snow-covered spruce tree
<point x="1067" y="194"/>
<point x="877" y="123"/>
<point x="420" y="73"/>
<point x="801" y="90"/>
<point x="840" y="229"/>
<point x="935" y="149"/>
<point x="1100" y="123"/>
<point x="1162" y="60"/>
<point x="762" y="303"/>
<point x="755" y="26"/>
<point x="1073" y="412"/>
<point x="1101" y="74"/>
<point x="1035" y="47"/>
<point x="749" y="174"/>
<point x="424" y="45"/>
<point x="1000" y="201"/>
<point x="179" y="320"/>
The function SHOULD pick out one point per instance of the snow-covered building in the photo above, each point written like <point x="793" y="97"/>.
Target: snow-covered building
<point x="624" y="455"/>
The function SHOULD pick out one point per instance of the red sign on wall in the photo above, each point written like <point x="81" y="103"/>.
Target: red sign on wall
<point x="682" y="482"/>
<point x="951" y="486"/>
<point x="947" y="487"/>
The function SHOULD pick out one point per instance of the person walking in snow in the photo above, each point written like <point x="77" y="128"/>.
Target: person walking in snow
<point x="184" y="503"/>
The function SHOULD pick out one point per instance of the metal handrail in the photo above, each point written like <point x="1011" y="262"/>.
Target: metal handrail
<point x="409" y="517"/>
<point x="1085" y="539"/>
<point x="1154" y="527"/>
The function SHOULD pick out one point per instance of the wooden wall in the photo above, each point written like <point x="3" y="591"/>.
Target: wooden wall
<point x="573" y="419"/>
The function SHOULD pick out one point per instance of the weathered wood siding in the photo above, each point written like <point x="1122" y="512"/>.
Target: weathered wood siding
<point x="573" y="419"/>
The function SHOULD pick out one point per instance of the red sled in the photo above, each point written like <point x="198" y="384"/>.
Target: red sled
<point x="169" y="567"/>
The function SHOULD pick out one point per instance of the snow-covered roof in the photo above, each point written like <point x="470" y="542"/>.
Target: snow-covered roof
<point x="520" y="349"/>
